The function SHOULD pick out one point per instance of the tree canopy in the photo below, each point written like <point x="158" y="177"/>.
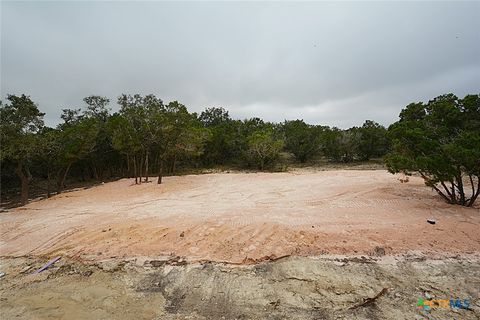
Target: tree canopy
<point x="20" y="122"/>
<point x="145" y="137"/>
<point x="440" y="140"/>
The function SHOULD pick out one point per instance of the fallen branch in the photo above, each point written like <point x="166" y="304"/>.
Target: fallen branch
<point x="369" y="301"/>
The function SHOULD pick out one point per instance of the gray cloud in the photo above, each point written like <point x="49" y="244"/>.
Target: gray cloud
<point x="328" y="63"/>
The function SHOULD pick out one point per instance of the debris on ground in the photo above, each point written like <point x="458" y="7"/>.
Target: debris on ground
<point x="369" y="301"/>
<point x="379" y="251"/>
<point x="46" y="265"/>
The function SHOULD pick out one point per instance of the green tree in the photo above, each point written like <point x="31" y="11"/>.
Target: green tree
<point x="97" y="107"/>
<point x="301" y="139"/>
<point x="220" y="145"/>
<point x="212" y="117"/>
<point x="330" y="146"/>
<point x="20" y="121"/>
<point x="130" y="132"/>
<point x="373" y="140"/>
<point x="77" y="139"/>
<point x="49" y="152"/>
<point x="181" y="136"/>
<point x="263" y="148"/>
<point x="348" y="143"/>
<point x="103" y="155"/>
<point x="440" y="140"/>
<point x="341" y="145"/>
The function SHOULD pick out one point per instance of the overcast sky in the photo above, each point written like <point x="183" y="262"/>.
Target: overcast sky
<point x="327" y="63"/>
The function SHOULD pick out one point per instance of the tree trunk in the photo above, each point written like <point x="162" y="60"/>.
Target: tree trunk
<point x="94" y="170"/>
<point x="460" y="188"/>
<point x="476" y="193"/>
<point x="173" y="163"/>
<point x="62" y="178"/>
<point x="146" y="166"/>
<point x="135" y="169"/>
<point x="48" y="183"/>
<point x="24" y="183"/>
<point x="160" y="174"/>
<point x="454" y="196"/>
<point x="129" y="172"/>
<point x="140" y="170"/>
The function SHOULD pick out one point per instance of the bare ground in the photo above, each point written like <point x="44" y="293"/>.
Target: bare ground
<point x="216" y="243"/>
<point x="289" y="288"/>
<point x="241" y="218"/>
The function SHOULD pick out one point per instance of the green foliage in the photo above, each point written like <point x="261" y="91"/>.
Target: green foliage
<point x="97" y="107"/>
<point x="263" y="147"/>
<point x="220" y="145"/>
<point x="357" y="143"/>
<point x="441" y="141"/>
<point x="20" y="120"/>
<point x="78" y="138"/>
<point x="341" y="145"/>
<point x="146" y="129"/>
<point x="185" y="135"/>
<point x="301" y="139"/>
<point x="373" y="140"/>
<point x="212" y="117"/>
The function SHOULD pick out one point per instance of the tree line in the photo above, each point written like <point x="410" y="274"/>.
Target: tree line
<point x="148" y="137"/>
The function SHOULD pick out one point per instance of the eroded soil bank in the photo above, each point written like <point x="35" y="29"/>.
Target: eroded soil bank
<point x="332" y="287"/>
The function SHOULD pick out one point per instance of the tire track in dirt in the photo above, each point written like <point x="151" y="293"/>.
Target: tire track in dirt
<point x="229" y="217"/>
<point x="54" y="240"/>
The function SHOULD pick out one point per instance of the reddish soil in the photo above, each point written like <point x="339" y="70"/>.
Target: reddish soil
<point x="243" y="217"/>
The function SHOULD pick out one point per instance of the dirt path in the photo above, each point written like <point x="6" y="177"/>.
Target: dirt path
<point x="243" y="218"/>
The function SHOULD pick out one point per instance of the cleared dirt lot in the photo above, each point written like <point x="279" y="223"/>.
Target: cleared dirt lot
<point x="243" y="218"/>
<point x="300" y="245"/>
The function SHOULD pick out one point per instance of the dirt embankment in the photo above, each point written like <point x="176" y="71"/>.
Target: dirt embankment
<point x="289" y="288"/>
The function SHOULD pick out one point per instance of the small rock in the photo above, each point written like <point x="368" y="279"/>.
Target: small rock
<point x="427" y="295"/>
<point x="87" y="273"/>
<point x="2" y="274"/>
<point x="157" y="263"/>
<point x="26" y="269"/>
<point x="110" y="265"/>
<point x="379" y="251"/>
<point x="182" y="234"/>
<point x="431" y="221"/>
